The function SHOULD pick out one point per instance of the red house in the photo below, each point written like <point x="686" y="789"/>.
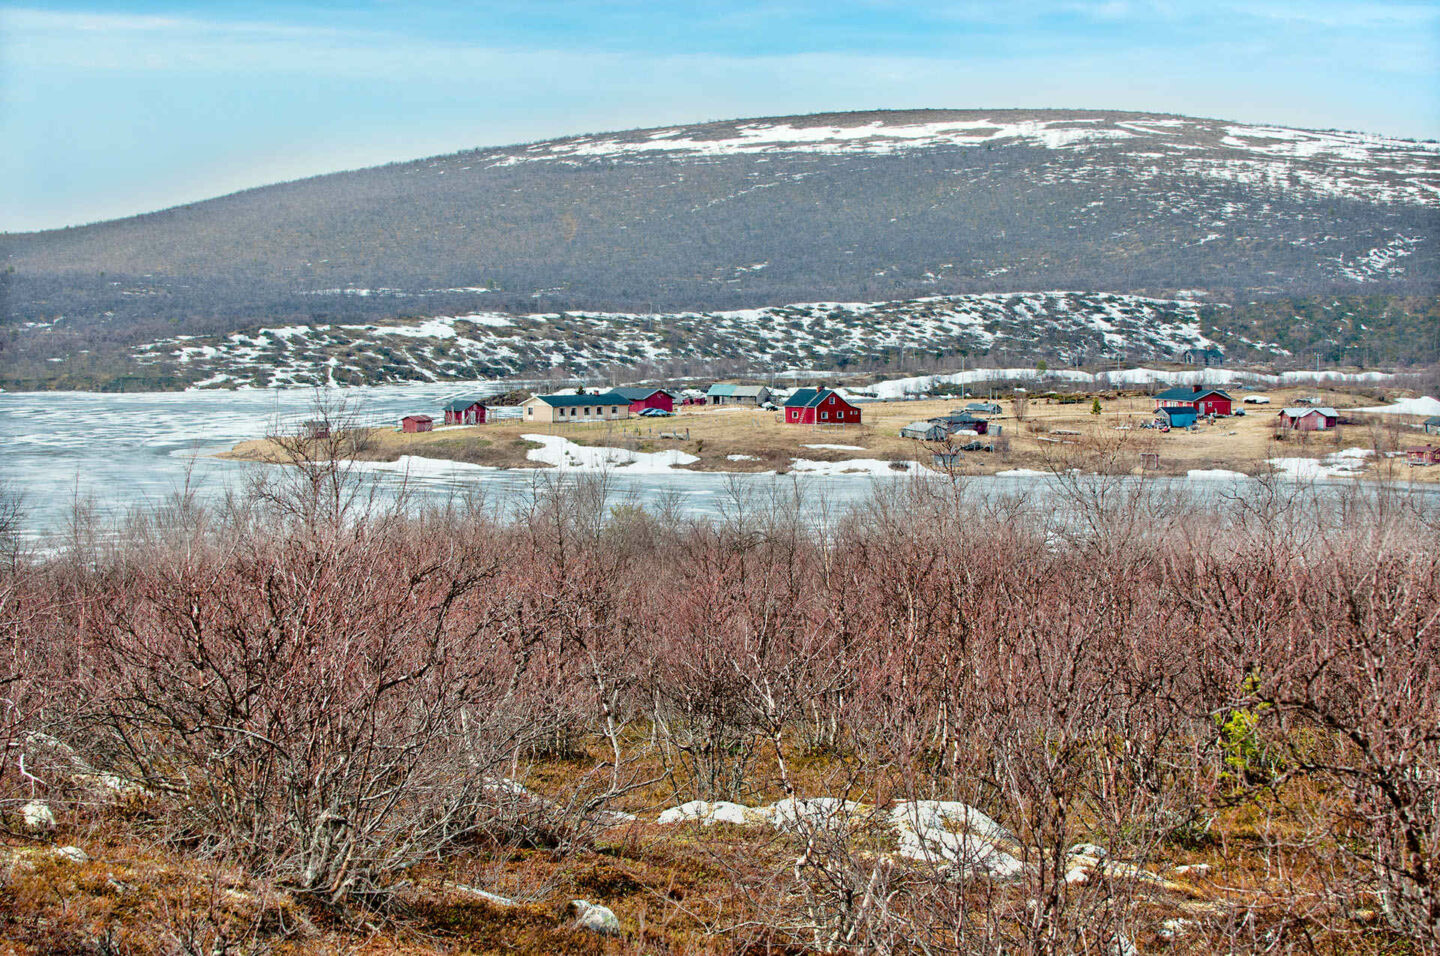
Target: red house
<point x="1309" y="419"/>
<point x="643" y="398"/>
<point x="417" y="423"/>
<point x="464" y="411"/>
<point x="819" y="406"/>
<point x="1205" y="401"/>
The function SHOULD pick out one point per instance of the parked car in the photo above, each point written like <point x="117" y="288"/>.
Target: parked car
<point x="655" y="413"/>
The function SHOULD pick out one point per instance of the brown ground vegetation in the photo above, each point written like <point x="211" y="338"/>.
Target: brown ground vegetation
<point x="310" y="722"/>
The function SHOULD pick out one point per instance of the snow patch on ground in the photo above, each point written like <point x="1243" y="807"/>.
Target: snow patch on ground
<point x="563" y="453"/>
<point x="416" y="467"/>
<point x="836" y="447"/>
<point x="1215" y="474"/>
<point x="1348" y="463"/>
<point x="853" y="466"/>
<point x="1425" y="405"/>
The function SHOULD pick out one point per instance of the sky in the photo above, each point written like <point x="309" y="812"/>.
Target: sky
<point x="113" y="109"/>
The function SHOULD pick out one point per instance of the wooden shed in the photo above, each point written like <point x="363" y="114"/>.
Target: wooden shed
<point x="417" y="423"/>
<point x="1309" y="419"/>
<point x="464" y="411"/>
<point x="643" y="398"/>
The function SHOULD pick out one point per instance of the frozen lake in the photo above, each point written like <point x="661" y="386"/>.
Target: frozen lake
<point x="121" y="452"/>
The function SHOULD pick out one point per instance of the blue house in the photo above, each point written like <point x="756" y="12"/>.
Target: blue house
<point x="1178" y="416"/>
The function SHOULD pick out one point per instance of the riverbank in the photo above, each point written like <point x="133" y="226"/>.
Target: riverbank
<point x="1041" y="434"/>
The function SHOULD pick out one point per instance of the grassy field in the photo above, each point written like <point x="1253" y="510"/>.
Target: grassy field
<point x="1047" y="435"/>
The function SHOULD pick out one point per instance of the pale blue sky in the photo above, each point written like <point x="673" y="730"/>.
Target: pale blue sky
<point x="118" y="108"/>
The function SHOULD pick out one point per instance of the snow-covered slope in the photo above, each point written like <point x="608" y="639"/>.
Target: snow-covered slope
<point x="1335" y="163"/>
<point x="1067" y="325"/>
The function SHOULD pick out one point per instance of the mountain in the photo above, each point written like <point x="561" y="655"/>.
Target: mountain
<point x="1268" y="240"/>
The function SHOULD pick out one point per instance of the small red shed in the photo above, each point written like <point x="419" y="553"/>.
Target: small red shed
<point x="819" y="406"/>
<point x="643" y="398"/>
<point x="464" y="411"/>
<point x="1309" y="419"/>
<point x="417" y="423"/>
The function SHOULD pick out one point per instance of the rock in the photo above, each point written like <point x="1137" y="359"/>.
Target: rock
<point x="1192" y="869"/>
<point x="71" y="854"/>
<point x="37" y="817"/>
<point x="822" y="812"/>
<point x="594" y="917"/>
<point x="947" y="815"/>
<point x="1174" y="928"/>
<point x="110" y="785"/>
<point x="494" y="899"/>
<point x="48" y="754"/>
<point x="708" y="814"/>
<point x="1129" y="871"/>
<point x="965" y="854"/>
<point x="1077" y="876"/>
<point x="1090" y="850"/>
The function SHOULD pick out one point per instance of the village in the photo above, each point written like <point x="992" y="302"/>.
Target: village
<point x="1192" y="430"/>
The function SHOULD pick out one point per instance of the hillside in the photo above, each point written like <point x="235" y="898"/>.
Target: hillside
<point x="857" y="207"/>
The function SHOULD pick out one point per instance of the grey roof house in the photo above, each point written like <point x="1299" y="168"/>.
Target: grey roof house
<point x="726" y="393"/>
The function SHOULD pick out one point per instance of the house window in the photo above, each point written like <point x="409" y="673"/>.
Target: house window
<point x="824" y="416"/>
<point x="587" y="411"/>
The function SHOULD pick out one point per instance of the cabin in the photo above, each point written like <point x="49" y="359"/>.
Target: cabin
<point x="983" y="408"/>
<point x="819" y="406"/>
<point x="464" y="411"/>
<point x="417" y="423"/>
<point x="1205" y="401"/>
<point x="725" y="393"/>
<point x="1177" y="416"/>
<point x="925" y="431"/>
<point x="643" y="398"/>
<point x="1309" y="419"/>
<point x="1423" y="456"/>
<point x="959" y="420"/>
<point x="1206" y="357"/>
<point x="575" y="408"/>
<point x="1432" y="425"/>
<point x="315" y="428"/>
<point x="692" y="396"/>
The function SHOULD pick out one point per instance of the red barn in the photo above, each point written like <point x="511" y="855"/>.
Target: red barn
<point x="417" y="423"/>
<point x="643" y="398"/>
<point x="1205" y="401"/>
<point x="819" y="406"/>
<point x="464" y="411"/>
